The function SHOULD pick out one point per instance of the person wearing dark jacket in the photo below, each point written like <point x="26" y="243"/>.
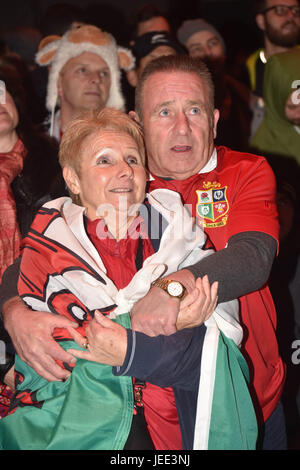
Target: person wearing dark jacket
<point x="39" y="171"/>
<point x="29" y="175"/>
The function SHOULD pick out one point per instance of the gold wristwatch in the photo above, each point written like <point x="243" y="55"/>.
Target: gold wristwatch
<point x="173" y="288"/>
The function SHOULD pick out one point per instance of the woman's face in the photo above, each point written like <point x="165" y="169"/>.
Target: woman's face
<point x="111" y="173"/>
<point x="9" y="117"/>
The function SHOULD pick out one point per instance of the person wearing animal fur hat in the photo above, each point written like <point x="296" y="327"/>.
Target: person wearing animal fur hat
<point x="84" y="73"/>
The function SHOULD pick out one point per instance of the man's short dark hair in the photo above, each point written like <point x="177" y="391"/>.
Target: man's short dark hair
<point x="174" y="63"/>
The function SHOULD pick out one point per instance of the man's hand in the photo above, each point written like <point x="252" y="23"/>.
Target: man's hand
<point x="198" y="306"/>
<point x="31" y="334"/>
<point x="156" y="313"/>
<point x="107" y="341"/>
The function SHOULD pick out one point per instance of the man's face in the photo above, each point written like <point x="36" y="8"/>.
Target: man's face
<point x="178" y="124"/>
<point x="84" y="83"/>
<point x="205" y="44"/>
<point x="280" y="30"/>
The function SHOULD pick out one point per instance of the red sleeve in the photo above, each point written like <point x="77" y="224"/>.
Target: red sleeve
<point x="254" y="199"/>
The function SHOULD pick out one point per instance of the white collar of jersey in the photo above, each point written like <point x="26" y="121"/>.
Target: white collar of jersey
<point x="211" y="164"/>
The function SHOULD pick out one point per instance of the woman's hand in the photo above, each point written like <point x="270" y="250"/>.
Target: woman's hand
<point x="198" y="306"/>
<point x="106" y="341"/>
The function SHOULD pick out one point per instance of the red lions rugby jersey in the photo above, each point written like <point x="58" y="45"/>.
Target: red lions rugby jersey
<point x="239" y="195"/>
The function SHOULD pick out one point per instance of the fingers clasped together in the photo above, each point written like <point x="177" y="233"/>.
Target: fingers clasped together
<point x="105" y="341"/>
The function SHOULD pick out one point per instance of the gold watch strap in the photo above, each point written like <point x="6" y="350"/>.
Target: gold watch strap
<point x="163" y="284"/>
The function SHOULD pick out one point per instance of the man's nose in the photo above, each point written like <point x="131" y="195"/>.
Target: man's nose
<point x="182" y="123"/>
<point x="95" y="77"/>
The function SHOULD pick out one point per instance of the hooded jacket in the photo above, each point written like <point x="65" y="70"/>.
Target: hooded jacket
<point x="277" y="135"/>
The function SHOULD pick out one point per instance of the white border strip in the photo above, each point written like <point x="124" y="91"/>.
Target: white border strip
<point x="206" y="385"/>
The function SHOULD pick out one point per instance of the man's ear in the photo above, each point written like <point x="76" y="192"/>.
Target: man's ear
<point x="215" y="121"/>
<point x="260" y="21"/>
<point x="134" y="116"/>
<point x="71" y="179"/>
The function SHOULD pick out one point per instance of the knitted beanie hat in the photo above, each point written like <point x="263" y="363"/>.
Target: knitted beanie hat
<point x="190" y="27"/>
<point x="55" y="51"/>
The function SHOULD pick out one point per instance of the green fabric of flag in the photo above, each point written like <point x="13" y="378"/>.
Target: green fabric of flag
<point x="233" y="424"/>
<point x="91" y="410"/>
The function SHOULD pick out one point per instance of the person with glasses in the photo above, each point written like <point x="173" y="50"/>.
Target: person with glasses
<point x="279" y="20"/>
<point x="282" y="10"/>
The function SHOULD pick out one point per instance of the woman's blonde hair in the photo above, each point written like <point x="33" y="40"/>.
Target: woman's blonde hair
<point x="88" y="123"/>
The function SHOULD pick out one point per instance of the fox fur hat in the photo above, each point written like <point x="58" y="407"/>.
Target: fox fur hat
<point x="55" y="51"/>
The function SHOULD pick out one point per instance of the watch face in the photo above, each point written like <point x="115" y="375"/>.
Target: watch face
<point x="175" y="289"/>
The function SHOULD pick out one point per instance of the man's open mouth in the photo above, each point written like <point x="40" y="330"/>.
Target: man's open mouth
<point x="181" y="148"/>
<point x="121" y="190"/>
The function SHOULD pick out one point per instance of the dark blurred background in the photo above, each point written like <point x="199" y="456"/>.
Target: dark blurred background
<point x="234" y="18"/>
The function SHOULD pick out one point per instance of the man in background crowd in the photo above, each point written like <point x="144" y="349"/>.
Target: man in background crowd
<point x="232" y="97"/>
<point x="279" y="21"/>
<point x="84" y="73"/>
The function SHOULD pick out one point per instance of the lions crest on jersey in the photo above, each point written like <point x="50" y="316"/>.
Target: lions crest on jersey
<point x="212" y="204"/>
